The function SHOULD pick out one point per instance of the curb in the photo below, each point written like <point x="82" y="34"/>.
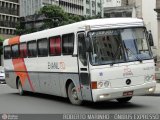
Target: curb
<point x="154" y="94"/>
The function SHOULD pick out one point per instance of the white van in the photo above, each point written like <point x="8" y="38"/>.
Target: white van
<point x="2" y="75"/>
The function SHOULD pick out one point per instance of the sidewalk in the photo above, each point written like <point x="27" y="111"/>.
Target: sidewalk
<point x="157" y="91"/>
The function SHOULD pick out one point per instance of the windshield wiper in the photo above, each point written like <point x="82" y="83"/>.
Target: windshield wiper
<point x="115" y="54"/>
<point x="136" y="56"/>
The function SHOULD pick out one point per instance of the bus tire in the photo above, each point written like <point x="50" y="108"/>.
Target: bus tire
<point x="72" y="95"/>
<point x="124" y="100"/>
<point x="20" y="88"/>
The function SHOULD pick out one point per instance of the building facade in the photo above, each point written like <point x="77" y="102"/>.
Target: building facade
<point x="143" y="9"/>
<point x="93" y="7"/>
<point x="118" y="8"/>
<point x="9" y="16"/>
<point x="77" y="7"/>
<point x="115" y="3"/>
<point x="150" y="18"/>
<point x="72" y="6"/>
<point x="157" y="9"/>
<point x="30" y="7"/>
<point x="123" y="8"/>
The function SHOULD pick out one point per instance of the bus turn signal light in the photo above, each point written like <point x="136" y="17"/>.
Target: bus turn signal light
<point x="94" y="85"/>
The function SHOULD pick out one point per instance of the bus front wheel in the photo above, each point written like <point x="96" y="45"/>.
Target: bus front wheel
<point x="72" y="95"/>
<point x="124" y="100"/>
<point x="20" y="88"/>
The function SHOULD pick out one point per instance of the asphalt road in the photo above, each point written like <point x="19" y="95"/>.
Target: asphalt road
<point x="11" y="102"/>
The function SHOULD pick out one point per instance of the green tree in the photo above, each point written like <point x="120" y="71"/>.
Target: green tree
<point x="55" y="16"/>
<point x="1" y="39"/>
<point x="19" y="29"/>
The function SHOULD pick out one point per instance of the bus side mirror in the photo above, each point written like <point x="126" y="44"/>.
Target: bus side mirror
<point x="150" y="38"/>
<point x="88" y="44"/>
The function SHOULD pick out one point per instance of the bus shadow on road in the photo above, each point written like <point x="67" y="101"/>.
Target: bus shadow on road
<point x="45" y="97"/>
<point x="154" y="95"/>
<point x="107" y="105"/>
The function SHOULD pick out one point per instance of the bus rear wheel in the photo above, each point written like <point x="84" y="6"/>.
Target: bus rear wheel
<point x="72" y="95"/>
<point x="20" y="88"/>
<point x="124" y="100"/>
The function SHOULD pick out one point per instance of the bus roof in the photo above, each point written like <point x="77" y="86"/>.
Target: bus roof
<point x="94" y="24"/>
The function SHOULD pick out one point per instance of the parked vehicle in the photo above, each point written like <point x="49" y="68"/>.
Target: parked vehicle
<point x="2" y="75"/>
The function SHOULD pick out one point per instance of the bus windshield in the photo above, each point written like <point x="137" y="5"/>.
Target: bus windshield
<point x="119" y="45"/>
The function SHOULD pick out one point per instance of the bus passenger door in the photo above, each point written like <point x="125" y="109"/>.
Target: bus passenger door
<point x="84" y="75"/>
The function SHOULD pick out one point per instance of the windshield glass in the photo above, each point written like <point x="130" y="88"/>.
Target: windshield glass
<point x="135" y="44"/>
<point x="119" y="45"/>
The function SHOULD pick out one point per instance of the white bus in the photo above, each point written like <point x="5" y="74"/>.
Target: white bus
<point x="93" y="60"/>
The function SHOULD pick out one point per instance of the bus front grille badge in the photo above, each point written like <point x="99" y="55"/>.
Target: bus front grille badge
<point x="128" y="81"/>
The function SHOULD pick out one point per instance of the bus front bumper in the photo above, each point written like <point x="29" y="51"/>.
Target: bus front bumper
<point x="114" y="93"/>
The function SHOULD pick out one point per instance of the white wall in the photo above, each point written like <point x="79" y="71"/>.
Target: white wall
<point x="150" y="18"/>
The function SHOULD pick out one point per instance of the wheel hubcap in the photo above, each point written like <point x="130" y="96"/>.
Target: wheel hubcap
<point x="74" y="93"/>
<point x="20" y="88"/>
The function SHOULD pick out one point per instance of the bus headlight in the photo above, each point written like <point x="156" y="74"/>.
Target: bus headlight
<point x="106" y="84"/>
<point x="149" y="78"/>
<point x="103" y="84"/>
<point x="151" y="89"/>
<point x="100" y="85"/>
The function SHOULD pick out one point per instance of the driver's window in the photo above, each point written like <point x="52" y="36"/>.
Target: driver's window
<point x="82" y="49"/>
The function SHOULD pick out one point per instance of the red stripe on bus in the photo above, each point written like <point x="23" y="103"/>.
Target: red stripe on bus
<point x="14" y="40"/>
<point x="19" y="65"/>
<point x="28" y="77"/>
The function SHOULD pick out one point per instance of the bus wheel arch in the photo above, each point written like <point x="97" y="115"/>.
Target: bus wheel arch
<point x="19" y="86"/>
<point x="69" y="81"/>
<point x="17" y="80"/>
<point x="72" y="93"/>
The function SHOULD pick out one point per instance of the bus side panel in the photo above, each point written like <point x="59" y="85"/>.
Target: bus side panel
<point x="11" y="79"/>
<point x="32" y="83"/>
<point x="10" y="74"/>
<point x="33" y="76"/>
<point x="49" y="83"/>
<point x="54" y="73"/>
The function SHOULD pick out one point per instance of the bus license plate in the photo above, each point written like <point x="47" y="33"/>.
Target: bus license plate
<point x="129" y="93"/>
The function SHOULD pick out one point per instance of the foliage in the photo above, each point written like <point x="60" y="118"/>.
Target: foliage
<point x="56" y="16"/>
<point x="19" y="29"/>
<point x="1" y="39"/>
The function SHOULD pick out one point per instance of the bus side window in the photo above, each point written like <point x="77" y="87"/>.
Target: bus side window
<point x="42" y="47"/>
<point x="82" y="49"/>
<point x="68" y="44"/>
<point x="55" y="46"/>
<point x="32" y="49"/>
<point x="15" y="51"/>
<point x="52" y="50"/>
<point x="58" y="46"/>
<point x="23" y="50"/>
<point x="7" y="52"/>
